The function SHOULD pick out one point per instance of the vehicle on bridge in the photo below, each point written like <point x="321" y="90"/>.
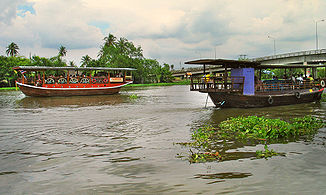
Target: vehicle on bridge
<point x="240" y="88"/>
<point x="71" y="81"/>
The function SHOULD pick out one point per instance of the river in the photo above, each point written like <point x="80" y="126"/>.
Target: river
<point x="117" y="145"/>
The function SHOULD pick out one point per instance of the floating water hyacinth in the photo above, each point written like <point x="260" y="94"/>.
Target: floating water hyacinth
<point x="251" y="129"/>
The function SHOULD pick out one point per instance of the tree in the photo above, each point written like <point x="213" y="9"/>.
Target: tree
<point x="7" y="74"/>
<point x="62" y="51"/>
<point x="110" y="40"/>
<point x="71" y="63"/>
<point x="12" y="49"/>
<point x="86" y="60"/>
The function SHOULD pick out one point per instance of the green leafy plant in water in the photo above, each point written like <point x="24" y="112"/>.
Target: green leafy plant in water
<point x="270" y="129"/>
<point x="254" y="128"/>
<point x="323" y="97"/>
<point x="202" y="136"/>
<point x="204" y="157"/>
<point x="267" y="153"/>
<point x="133" y="96"/>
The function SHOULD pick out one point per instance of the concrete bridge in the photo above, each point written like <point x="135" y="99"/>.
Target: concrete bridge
<point x="303" y="57"/>
<point x="297" y="59"/>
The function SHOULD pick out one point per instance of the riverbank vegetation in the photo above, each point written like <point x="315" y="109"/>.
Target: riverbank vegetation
<point x="323" y="97"/>
<point x="213" y="143"/>
<point x="182" y="82"/>
<point x="114" y="52"/>
<point x="279" y="73"/>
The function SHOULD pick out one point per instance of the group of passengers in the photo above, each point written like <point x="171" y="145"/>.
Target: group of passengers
<point x="296" y="78"/>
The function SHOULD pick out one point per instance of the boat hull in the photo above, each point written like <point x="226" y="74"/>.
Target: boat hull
<point x="234" y="100"/>
<point x="31" y="90"/>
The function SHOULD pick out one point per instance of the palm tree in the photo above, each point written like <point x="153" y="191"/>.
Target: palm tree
<point x="71" y="63"/>
<point x="110" y="40"/>
<point x="12" y="49"/>
<point x="62" y="51"/>
<point x="123" y="44"/>
<point x="85" y="60"/>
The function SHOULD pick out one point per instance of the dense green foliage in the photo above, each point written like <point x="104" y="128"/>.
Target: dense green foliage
<point x="183" y="82"/>
<point x="323" y="97"/>
<point x="113" y="53"/>
<point x="244" y="129"/>
<point x="279" y="73"/>
<point x="123" y="53"/>
<point x="270" y="129"/>
<point x="7" y="75"/>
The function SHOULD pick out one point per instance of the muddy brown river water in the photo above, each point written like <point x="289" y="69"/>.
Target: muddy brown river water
<point x="117" y="145"/>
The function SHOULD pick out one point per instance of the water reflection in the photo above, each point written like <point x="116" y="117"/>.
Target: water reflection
<point x="221" y="177"/>
<point x="74" y="101"/>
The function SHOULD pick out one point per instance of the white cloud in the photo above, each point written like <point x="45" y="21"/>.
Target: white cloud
<point x="170" y="31"/>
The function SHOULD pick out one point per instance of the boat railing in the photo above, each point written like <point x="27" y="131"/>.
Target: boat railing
<point x="283" y="85"/>
<point x="216" y="84"/>
<point x="73" y="80"/>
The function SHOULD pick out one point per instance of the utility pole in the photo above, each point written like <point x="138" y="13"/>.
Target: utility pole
<point x="317" y="32"/>
<point x="270" y="37"/>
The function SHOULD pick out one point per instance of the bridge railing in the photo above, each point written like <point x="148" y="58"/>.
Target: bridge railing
<point x="216" y="84"/>
<point x="293" y="54"/>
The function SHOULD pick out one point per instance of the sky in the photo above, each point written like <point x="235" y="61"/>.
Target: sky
<point x="170" y="31"/>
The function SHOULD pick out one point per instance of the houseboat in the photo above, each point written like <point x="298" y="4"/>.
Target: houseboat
<point x="71" y="81"/>
<point x="240" y="88"/>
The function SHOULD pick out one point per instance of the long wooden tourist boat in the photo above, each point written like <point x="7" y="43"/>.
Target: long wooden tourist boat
<point x="239" y="88"/>
<point x="71" y="81"/>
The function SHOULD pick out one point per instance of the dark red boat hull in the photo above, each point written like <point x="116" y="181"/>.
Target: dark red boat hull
<point x="234" y="100"/>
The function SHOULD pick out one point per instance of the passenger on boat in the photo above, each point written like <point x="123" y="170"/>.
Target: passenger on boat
<point x="299" y="78"/>
<point x="310" y="78"/>
<point x="293" y="79"/>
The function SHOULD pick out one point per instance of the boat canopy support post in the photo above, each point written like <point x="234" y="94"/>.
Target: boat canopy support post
<point x="68" y="77"/>
<point x="109" y="77"/>
<point x="204" y="69"/>
<point x="43" y="76"/>
<point x="225" y="76"/>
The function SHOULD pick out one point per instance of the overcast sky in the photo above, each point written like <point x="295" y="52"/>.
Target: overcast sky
<point x="171" y="31"/>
